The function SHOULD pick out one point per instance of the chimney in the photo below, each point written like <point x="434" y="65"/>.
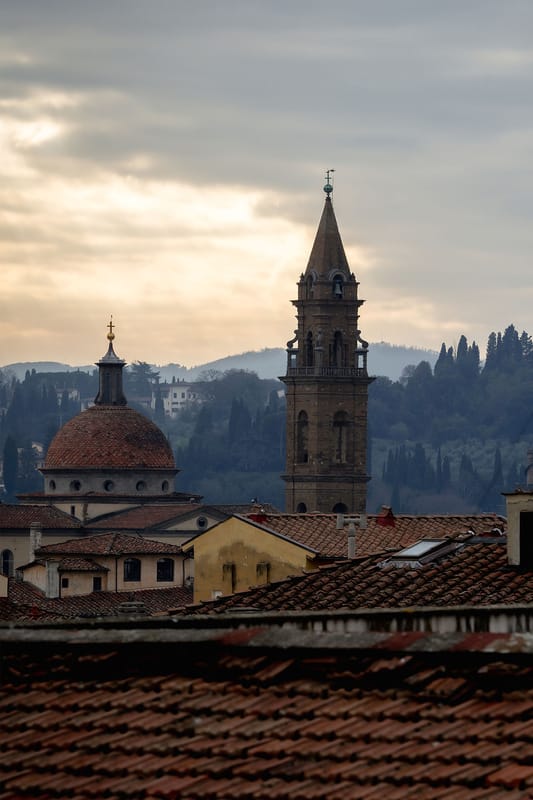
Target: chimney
<point x="36" y="535"/>
<point x="351" y="522"/>
<point x="520" y="528"/>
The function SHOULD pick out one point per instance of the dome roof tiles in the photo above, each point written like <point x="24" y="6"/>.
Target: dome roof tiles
<point x="109" y="437"/>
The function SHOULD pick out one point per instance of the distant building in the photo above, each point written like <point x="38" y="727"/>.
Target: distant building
<point x="175" y="397"/>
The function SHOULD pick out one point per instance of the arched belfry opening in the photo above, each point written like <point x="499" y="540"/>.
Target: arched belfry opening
<point x="327" y="382"/>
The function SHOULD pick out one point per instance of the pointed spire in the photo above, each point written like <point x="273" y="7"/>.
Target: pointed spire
<point x="110" y="367"/>
<point x="327" y="253"/>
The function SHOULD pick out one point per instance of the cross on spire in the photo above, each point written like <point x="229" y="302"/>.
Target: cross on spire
<point x="111" y="335"/>
<point x="328" y="188"/>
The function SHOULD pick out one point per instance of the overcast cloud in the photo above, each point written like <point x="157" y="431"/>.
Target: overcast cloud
<point x="163" y="161"/>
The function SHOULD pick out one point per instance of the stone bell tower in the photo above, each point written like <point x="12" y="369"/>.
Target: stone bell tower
<point x="327" y="383"/>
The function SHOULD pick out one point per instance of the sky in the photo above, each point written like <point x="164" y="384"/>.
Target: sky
<point x="162" y="161"/>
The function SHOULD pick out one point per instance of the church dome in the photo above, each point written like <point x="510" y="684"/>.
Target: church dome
<point x="109" y="437"/>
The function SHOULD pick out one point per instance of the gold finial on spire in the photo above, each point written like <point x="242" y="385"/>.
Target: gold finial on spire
<point x="328" y="188"/>
<point x="111" y="335"/>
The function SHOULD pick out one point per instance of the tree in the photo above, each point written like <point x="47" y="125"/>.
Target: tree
<point x="10" y="465"/>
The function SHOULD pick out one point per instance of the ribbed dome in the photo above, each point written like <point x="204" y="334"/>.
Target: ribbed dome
<point x="109" y="437"/>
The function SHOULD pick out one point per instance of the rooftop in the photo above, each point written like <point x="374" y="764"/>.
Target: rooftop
<point x="475" y="571"/>
<point x="384" y="531"/>
<point x="113" y="543"/>
<point x="120" y="713"/>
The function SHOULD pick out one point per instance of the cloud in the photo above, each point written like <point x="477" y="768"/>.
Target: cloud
<point x="167" y="166"/>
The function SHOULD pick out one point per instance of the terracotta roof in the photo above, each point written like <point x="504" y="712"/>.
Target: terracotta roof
<point x="145" y="516"/>
<point x="15" y="516"/>
<point x="221" y="720"/>
<point x="108" y="544"/>
<point x="27" y="603"/>
<point x="476" y="573"/>
<point x="112" y="437"/>
<point x="318" y="531"/>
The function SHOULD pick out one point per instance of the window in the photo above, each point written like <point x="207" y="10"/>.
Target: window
<point x="340" y="508"/>
<point x="165" y="569"/>
<point x="7" y="563"/>
<point x="109" y="486"/>
<point x="75" y="486"/>
<point x="340" y="437"/>
<point x="132" y="569"/>
<point x="337" y="351"/>
<point x="164" y="486"/>
<point x="201" y="523"/>
<point x="309" y="350"/>
<point x="338" y="284"/>
<point x="141" y="486"/>
<point x="301" y="508"/>
<point x="73" y="511"/>
<point x="52" y="485"/>
<point x="302" y="435"/>
<point x="64" y="583"/>
<point x="97" y="583"/>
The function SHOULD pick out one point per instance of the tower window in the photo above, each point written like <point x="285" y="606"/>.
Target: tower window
<point x="338" y="286"/>
<point x="337" y="352"/>
<point x="52" y="485"/>
<point x="340" y="437"/>
<point x="309" y="352"/>
<point x="340" y="508"/>
<point x="302" y="438"/>
<point x="301" y="508"/>
<point x="164" y="486"/>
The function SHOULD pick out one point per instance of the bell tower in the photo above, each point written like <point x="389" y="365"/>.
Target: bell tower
<point x="327" y="383"/>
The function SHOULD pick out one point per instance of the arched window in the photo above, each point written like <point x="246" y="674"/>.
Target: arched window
<point x="132" y="569"/>
<point x="302" y="438"/>
<point x="7" y="563"/>
<point x="340" y="508"/>
<point x="301" y="508"/>
<point x="337" y="358"/>
<point x="310" y="287"/>
<point x="338" y="286"/>
<point x="309" y="351"/>
<point x="340" y="437"/>
<point x="165" y="569"/>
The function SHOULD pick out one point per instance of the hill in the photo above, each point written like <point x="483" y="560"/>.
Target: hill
<point x="384" y="359"/>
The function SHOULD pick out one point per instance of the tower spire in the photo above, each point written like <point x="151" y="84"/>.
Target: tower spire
<point x="110" y="366"/>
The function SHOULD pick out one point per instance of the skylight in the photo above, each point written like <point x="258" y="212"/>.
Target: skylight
<point x="420" y="548"/>
<point x="421" y="552"/>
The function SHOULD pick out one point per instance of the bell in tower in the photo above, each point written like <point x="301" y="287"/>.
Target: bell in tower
<point x="327" y="383"/>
